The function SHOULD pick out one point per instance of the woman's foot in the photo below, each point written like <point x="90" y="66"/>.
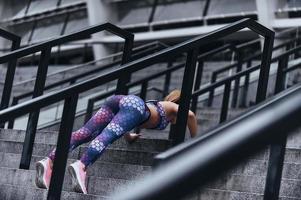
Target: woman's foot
<point x="78" y="174"/>
<point x="43" y="173"/>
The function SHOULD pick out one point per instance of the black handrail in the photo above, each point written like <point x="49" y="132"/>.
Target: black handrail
<point x="184" y="146"/>
<point x="169" y="70"/>
<point x="45" y="49"/>
<point x="277" y="150"/>
<point x="11" y="68"/>
<point x="73" y="79"/>
<point x="70" y="94"/>
<point x="239" y="63"/>
<point x="220" y="152"/>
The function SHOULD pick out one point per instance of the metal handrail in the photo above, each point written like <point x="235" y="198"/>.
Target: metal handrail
<point x="276" y="158"/>
<point x="11" y="68"/>
<point x="221" y="151"/>
<point x="145" y="80"/>
<point x="71" y="93"/>
<point x="170" y="154"/>
<point x="243" y="60"/>
<point x="73" y="79"/>
<point x="45" y="49"/>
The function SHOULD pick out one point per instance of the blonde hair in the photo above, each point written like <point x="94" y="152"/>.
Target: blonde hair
<point x="173" y="96"/>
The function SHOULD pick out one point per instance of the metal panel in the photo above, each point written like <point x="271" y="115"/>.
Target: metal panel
<point x="133" y="13"/>
<point x="77" y="21"/>
<point x="179" y="10"/>
<point x="46" y="30"/>
<point x="41" y="6"/>
<point x="219" y="7"/>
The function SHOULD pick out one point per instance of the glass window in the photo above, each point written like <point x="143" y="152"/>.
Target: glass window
<point x="77" y="21"/>
<point x="134" y="12"/>
<point x="47" y="28"/>
<point x="41" y="6"/>
<point x="219" y="7"/>
<point x="178" y="10"/>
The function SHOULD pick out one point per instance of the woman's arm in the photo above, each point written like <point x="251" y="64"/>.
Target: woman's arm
<point x="191" y="121"/>
<point x="192" y="124"/>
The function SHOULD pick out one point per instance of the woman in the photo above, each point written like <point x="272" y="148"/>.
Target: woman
<point x="118" y="115"/>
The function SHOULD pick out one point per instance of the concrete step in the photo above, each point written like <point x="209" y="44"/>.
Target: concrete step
<point x="50" y="137"/>
<point x="12" y="192"/>
<point x="255" y="184"/>
<point x="95" y="185"/>
<point x="217" y="194"/>
<point x="98" y="169"/>
<point x="110" y="155"/>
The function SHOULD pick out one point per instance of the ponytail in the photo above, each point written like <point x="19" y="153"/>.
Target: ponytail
<point x="173" y="96"/>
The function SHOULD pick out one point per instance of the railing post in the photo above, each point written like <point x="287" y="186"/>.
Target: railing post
<point x="9" y="77"/>
<point x="225" y="103"/>
<point x="277" y="148"/>
<point x="12" y="121"/>
<point x="211" y="93"/>
<point x="89" y="110"/>
<point x="143" y="91"/>
<point x="127" y="53"/>
<point x="197" y="84"/>
<point x="265" y="68"/>
<point x="62" y="149"/>
<point x="167" y="80"/>
<point x="34" y="116"/>
<point x="237" y="81"/>
<point x="245" y="89"/>
<point x="186" y="91"/>
<point x="142" y="95"/>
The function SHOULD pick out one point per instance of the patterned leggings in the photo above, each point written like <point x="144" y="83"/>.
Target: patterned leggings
<point x="118" y="115"/>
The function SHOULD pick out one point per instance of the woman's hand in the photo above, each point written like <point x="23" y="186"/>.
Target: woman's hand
<point x="131" y="137"/>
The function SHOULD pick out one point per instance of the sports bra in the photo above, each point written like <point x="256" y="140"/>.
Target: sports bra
<point x="163" y="121"/>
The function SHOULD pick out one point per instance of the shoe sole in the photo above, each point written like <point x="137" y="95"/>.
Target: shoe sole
<point x="39" y="176"/>
<point x="75" y="183"/>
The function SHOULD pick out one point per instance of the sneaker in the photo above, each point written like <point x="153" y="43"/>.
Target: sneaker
<point x="78" y="175"/>
<point x="43" y="175"/>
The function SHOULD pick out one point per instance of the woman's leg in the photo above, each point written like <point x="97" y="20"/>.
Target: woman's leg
<point x="95" y="125"/>
<point x="131" y="113"/>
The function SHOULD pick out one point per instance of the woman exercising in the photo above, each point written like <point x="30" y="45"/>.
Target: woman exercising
<point x="118" y="115"/>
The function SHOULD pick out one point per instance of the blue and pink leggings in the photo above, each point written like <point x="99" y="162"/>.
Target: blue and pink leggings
<point x="118" y="115"/>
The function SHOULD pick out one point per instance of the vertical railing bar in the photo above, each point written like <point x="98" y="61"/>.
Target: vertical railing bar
<point x="197" y="84"/>
<point x="62" y="149"/>
<point x="225" y="102"/>
<point x="12" y="121"/>
<point x="142" y="95"/>
<point x="126" y="56"/>
<point x="237" y="81"/>
<point x="89" y="110"/>
<point x="277" y="148"/>
<point x="186" y="92"/>
<point x="143" y="91"/>
<point x="34" y="116"/>
<point x="167" y="80"/>
<point x="211" y="93"/>
<point x="245" y="90"/>
<point x="9" y="77"/>
<point x="265" y="68"/>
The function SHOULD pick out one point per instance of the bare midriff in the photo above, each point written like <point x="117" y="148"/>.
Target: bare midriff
<point x="154" y="117"/>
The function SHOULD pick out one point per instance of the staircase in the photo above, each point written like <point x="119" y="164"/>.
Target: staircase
<point x="122" y="163"/>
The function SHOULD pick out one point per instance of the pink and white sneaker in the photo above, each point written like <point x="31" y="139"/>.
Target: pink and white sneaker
<point x="43" y="175"/>
<point x="78" y="175"/>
